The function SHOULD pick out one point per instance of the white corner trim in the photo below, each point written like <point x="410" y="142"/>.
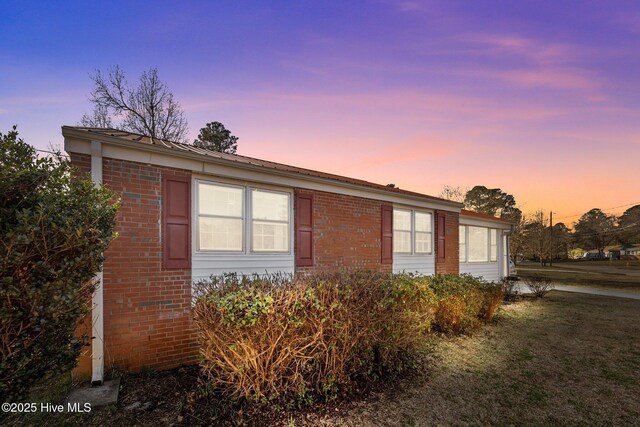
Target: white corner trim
<point x="97" y="306"/>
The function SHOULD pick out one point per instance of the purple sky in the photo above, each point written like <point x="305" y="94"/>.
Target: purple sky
<point x="541" y="99"/>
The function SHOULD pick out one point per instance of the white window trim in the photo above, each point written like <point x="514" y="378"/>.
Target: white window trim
<point x="466" y="245"/>
<point x="250" y="220"/>
<point x="247" y="219"/>
<point x="198" y="215"/>
<point x="412" y="232"/>
<point x="491" y="253"/>
<point x="430" y="232"/>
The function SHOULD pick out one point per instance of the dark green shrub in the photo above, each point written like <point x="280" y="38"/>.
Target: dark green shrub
<point x="53" y="230"/>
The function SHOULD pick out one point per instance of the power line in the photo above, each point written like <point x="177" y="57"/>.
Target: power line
<point x="605" y="209"/>
<point x="614" y="230"/>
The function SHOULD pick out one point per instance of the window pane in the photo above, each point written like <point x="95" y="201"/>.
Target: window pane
<point x="478" y="244"/>
<point x="401" y="220"/>
<point x="269" y="236"/>
<point x="402" y="242"/>
<point x="220" y="234"/>
<point x="462" y="239"/>
<point x="423" y="242"/>
<point x="270" y="206"/>
<point x="494" y="244"/>
<point x="423" y="222"/>
<point x="220" y="200"/>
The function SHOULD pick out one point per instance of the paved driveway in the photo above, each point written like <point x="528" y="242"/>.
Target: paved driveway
<point x="587" y="290"/>
<point x="605" y="268"/>
<point x="576" y="267"/>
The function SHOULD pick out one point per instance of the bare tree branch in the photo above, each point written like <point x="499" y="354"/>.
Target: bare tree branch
<point x="149" y="108"/>
<point x="99" y="118"/>
<point x="453" y="193"/>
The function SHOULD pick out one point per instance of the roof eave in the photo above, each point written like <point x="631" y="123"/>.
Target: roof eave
<point x="485" y="217"/>
<point x="71" y="132"/>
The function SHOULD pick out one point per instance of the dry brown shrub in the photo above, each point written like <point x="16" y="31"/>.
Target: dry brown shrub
<point x="464" y="302"/>
<point x="539" y="285"/>
<point x="280" y="338"/>
<point x="449" y="314"/>
<point x="492" y="301"/>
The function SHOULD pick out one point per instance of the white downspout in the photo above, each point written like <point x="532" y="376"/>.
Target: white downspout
<point x="97" y="311"/>
<point x="507" y="250"/>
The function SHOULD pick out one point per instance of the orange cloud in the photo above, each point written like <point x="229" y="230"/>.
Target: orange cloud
<point x="412" y="149"/>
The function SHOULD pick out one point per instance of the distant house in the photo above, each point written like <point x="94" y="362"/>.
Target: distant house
<point x="630" y="252"/>
<point x="187" y="213"/>
<point x="613" y="252"/>
<point x="593" y="254"/>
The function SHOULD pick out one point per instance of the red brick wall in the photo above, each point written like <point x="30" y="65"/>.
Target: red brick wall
<point x="147" y="314"/>
<point x="451" y="263"/>
<point x="346" y="233"/>
<point x="147" y="309"/>
<point x="81" y="161"/>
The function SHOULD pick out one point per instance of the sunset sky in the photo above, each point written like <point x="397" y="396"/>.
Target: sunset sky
<point x="539" y="98"/>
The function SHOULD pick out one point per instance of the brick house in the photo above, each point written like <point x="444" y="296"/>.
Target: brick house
<point x="188" y="213"/>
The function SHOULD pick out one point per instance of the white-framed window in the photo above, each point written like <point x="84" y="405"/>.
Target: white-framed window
<point x="412" y="232"/>
<point x="423" y="233"/>
<point x="478" y="241"/>
<point x="402" y="231"/>
<point x="242" y="219"/>
<point x="493" y="245"/>
<point x="269" y="221"/>
<point x="478" y="244"/>
<point x="462" y="242"/>
<point x="220" y="217"/>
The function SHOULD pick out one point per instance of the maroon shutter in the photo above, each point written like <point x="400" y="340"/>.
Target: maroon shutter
<point x="176" y="221"/>
<point x="441" y="235"/>
<point x="304" y="230"/>
<point x="387" y="234"/>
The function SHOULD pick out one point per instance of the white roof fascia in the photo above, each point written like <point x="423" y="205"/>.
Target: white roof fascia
<point x="113" y="147"/>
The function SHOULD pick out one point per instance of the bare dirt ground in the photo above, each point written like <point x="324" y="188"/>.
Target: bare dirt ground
<point x="568" y="359"/>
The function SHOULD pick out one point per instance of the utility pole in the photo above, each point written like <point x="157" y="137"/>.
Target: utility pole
<point x="551" y="243"/>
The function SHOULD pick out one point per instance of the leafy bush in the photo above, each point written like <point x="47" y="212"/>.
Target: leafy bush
<point x="295" y="338"/>
<point x="464" y="302"/>
<point x="53" y="230"/>
<point x="538" y="285"/>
